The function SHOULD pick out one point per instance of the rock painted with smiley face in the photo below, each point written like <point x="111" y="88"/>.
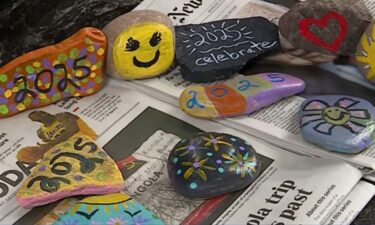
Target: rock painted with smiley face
<point x="239" y="96"/>
<point x="141" y="44"/>
<point x="338" y="123"/>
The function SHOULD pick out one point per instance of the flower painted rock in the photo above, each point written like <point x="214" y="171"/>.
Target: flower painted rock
<point x="141" y="44"/>
<point x="365" y="56"/>
<point x="217" y="50"/>
<point x="112" y="209"/>
<point x="238" y="96"/>
<point x="47" y="75"/>
<point x="332" y="27"/>
<point x="77" y="166"/>
<point x="338" y="123"/>
<point x="211" y="164"/>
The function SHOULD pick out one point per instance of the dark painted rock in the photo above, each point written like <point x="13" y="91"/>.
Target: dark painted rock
<point x="217" y="50"/>
<point x="112" y="209"/>
<point x="211" y="164"/>
<point x="365" y="56"/>
<point x="338" y="123"/>
<point x="332" y="27"/>
<point x="238" y="96"/>
<point x="70" y="68"/>
<point x="141" y="44"/>
<point x="29" y="25"/>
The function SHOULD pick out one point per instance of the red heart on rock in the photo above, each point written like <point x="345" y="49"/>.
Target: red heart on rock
<point x="304" y="29"/>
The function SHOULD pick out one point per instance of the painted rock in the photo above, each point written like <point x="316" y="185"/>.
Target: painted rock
<point x="332" y="27"/>
<point x="365" y="56"/>
<point x="44" y="76"/>
<point x="54" y="130"/>
<point x="338" y="123"/>
<point x="217" y="50"/>
<point x="141" y="44"/>
<point x="112" y="209"/>
<point x="74" y="167"/>
<point x="238" y="96"/>
<point x="212" y="164"/>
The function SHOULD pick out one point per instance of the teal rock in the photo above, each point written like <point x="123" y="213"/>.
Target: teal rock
<point x="211" y="164"/>
<point x="338" y="123"/>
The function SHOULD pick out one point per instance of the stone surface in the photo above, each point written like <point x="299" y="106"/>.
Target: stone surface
<point x="327" y="26"/>
<point x="211" y="164"/>
<point x="338" y="123"/>
<point x="77" y="166"/>
<point x="28" y="25"/>
<point x="365" y="56"/>
<point x="238" y="96"/>
<point x="112" y="209"/>
<point x="55" y="129"/>
<point x="141" y="44"/>
<point x="217" y="50"/>
<point x="73" y="67"/>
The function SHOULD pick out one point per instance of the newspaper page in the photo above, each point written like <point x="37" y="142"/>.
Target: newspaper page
<point x="138" y="132"/>
<point x="278" y="123"/>
<point x="371" y="6"/>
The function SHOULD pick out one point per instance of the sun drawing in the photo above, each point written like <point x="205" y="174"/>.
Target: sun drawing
<point x="367" y="56"/>
<point x="326" y="117"/>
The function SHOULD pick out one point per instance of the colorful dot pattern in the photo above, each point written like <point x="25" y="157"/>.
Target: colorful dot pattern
<point x="80" y="51"/>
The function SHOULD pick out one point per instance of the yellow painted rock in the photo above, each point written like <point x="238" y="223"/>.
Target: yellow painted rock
<point x="365" y="55"/>
<point x="75" y="167"/>
<point x="141" y="44"/>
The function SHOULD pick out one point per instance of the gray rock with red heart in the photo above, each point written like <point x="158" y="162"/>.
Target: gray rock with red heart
<point x="327" y="26"/>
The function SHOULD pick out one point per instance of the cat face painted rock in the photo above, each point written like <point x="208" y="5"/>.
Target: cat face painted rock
<point x="238" y="96"/>
<point x="217" y="50"/>
<point x="332" y="27"/>
<point x="141" y="45"/>
<point x="211" y="164"/>
<point x="113" y="209"/>
<point x="74" y="167"/>
<point x="47" y="75"/>
<point x="365" y="55"/>
<point x="338" y="123"/>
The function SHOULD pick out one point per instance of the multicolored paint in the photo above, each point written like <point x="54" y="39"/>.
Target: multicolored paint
<point x="113" y="209"/>
<point x="211" y="164"/>
<point x="365" y="55"/>
<point x="338" y="123"/>
<point x="77" y="166"/>
<point x="73" y="67"/>
<point x="238" y="96"/>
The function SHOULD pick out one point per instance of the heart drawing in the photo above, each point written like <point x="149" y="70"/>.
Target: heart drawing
<point x="305" y="24"/>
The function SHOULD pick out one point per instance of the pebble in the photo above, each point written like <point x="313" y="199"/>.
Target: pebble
<point x="338" y="123"/>
<point x="239" y="96"/>
<point x="141" y="44"/>
<point x="211" y="164"/>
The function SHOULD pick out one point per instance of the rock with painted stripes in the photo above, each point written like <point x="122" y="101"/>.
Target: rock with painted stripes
<point x="338" y="123"/>
<point x="238" y="96"/>
<point x="217" y="50"/>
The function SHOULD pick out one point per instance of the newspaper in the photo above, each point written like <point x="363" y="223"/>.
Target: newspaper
<point x="371" y="6"/>
<point x="138" y="132"/>
<point x="279" y="123"/>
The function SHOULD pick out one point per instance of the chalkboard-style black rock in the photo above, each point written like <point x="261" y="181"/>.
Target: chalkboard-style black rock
<point x="216" y="50"/>
<point x="211" y="164"/>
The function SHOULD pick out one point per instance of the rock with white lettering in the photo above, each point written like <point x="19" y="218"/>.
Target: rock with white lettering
<point x="332" y="27"/>
<point x="211" y="164"/>
<point x="216" y="50"/>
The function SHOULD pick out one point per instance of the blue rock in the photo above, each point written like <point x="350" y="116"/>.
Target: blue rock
<point x="338" y="123"/>
<point x="212" y="164"/>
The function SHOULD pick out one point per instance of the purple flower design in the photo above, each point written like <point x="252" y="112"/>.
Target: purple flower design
<point x="139" y="220"/>
<point x="191" y="147"/>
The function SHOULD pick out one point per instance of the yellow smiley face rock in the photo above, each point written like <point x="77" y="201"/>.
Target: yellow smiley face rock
<point x="141" y="45"/>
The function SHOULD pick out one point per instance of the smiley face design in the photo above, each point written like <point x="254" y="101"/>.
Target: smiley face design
<point x="143" y="50"/>
<point x="336" y="115"/>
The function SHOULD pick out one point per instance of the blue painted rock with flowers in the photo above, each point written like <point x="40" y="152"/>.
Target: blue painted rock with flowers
<point x="112" y="209"/>
<point x="211" y="164"/>
<point x="338" y="123"/>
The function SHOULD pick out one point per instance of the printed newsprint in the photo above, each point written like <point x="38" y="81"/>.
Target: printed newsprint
<point x="371" y="6"/>
<point x="138" y="132"/>
<point x="279" y="123"/>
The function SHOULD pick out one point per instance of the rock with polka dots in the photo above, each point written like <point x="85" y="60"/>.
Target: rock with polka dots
<point x="211" y="164"/>
<point x="73" y="67"/>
